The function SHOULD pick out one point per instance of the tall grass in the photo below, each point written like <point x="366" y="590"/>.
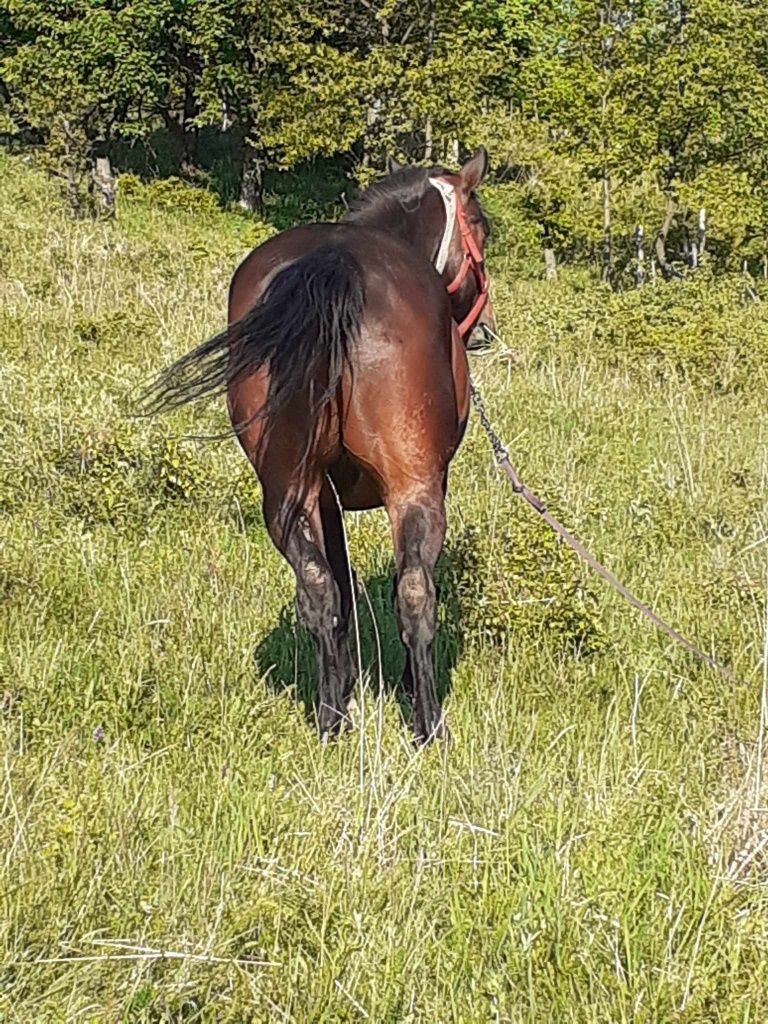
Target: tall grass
<point x="593" y="847"/>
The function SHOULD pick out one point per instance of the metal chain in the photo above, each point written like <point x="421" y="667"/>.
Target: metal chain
<point x="499" y="450"/>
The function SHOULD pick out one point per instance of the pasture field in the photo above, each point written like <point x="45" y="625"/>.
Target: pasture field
<point x="593" y="847"/>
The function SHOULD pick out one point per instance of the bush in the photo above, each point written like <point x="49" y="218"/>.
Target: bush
<point x="118" y="477"/>
<point x="166" y="194"/>
<point x="515" y="237"/>
<point x="524" y="582"/>
<point x="700" y="330"/>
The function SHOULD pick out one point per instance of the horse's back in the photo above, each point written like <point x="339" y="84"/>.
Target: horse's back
<point x="393" y="275"/>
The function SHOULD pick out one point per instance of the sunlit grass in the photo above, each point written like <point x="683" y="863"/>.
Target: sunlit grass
<point x="593" y="845"/>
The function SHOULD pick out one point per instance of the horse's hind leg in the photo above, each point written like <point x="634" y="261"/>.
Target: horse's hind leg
<point x="320" y="606"/>
<point x="418" y="526"/>
<point x="338" y="559"/>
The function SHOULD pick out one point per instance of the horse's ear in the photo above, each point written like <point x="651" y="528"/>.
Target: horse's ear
<point x="393" y="165"/>
<point x="475" y="169"/>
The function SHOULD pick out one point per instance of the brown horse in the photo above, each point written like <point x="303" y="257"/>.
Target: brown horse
<point x="345" y="361"/>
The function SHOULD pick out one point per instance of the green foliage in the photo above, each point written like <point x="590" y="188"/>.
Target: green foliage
<point x="525" y="582"/>
<point x="515" y="236"/>
<point x="167" y="194"/>
<point x="599" y="114"/>
<point x="76" y="75"/>
<point x="701" y="330"/>
<point x="736" y="209"/>
<point x="114" y="479"/>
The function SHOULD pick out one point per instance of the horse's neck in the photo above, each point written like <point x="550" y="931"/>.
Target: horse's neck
<point x="417" y="227"/>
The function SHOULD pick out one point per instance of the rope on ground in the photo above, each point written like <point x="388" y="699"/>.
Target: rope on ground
<point x="502" y="457"/>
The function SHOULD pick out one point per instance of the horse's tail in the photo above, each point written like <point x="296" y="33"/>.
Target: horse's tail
<point x="301" y="328"/>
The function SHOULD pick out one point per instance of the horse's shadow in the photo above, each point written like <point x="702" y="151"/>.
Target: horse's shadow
<point x="286" y="656"/>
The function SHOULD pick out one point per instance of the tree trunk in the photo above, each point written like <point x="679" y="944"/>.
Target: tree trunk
<point x="372" y="115"/>
<point x="173" y="127"/>
<point x="428" y="54"/>
<point x="606" y="15"/>
<point x="702" y="230"/>
<point x="667" y="270"/>
<point x="104" y="185"/>
<point x="749" y="283"/>
<point x="72" y="189"/>
<point x="74" y="165"/>
<point x="428" y="138"/>
<point x="189" y="130"/>
<point x="550" y="264"/>
<point x="251" y="182"/>
<point x="639" y="256"/>
<point x="750" y="291"/>
<point x="605" y="273"/>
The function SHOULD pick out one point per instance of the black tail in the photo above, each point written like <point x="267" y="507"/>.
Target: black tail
<point x="301" y="327"/>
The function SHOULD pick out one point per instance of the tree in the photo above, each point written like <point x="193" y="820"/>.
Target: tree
<point x="584" y="57"/>
<point x="77" y="76"/>
<point x="704" y="95"/>
<point x="604" y="113"/>
<point x="279" y="78"/>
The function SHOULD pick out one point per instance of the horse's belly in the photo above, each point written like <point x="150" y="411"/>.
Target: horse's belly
<point x="357" y="488"/>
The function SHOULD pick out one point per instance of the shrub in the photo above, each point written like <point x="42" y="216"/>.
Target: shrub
<point x="520" y="581"/>
<point x="699" y="330"/>
<point x="166" y="194"/>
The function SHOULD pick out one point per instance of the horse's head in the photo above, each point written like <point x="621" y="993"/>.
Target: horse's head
<point x="453" y="229"/>
<point x="437" y="211"/>
<point x="461" y="256"/>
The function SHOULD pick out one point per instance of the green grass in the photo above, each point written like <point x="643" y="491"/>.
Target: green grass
<point x="589" y="849"/>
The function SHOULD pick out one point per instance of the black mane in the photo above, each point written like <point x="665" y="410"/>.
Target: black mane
<point x="401" y="191"/>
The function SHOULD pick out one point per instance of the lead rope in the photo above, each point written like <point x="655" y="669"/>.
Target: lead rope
<point x="502" y="457"/>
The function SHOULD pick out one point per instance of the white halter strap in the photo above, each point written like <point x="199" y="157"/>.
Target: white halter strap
<point x="448" y="195"/>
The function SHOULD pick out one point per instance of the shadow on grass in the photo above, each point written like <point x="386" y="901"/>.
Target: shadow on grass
<point x="286" y="656"/>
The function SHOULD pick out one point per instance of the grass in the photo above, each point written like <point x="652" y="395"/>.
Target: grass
<point x="592" y="847"/>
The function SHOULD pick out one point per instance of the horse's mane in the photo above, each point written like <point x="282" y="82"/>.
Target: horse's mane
<point x="387" y="200"/>
<point x="402" y="190"/>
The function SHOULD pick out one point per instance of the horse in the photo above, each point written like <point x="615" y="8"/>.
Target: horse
<point x="345" y="371"/>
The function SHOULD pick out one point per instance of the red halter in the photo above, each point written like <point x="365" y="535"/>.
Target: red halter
<point x="472" y="260"/>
